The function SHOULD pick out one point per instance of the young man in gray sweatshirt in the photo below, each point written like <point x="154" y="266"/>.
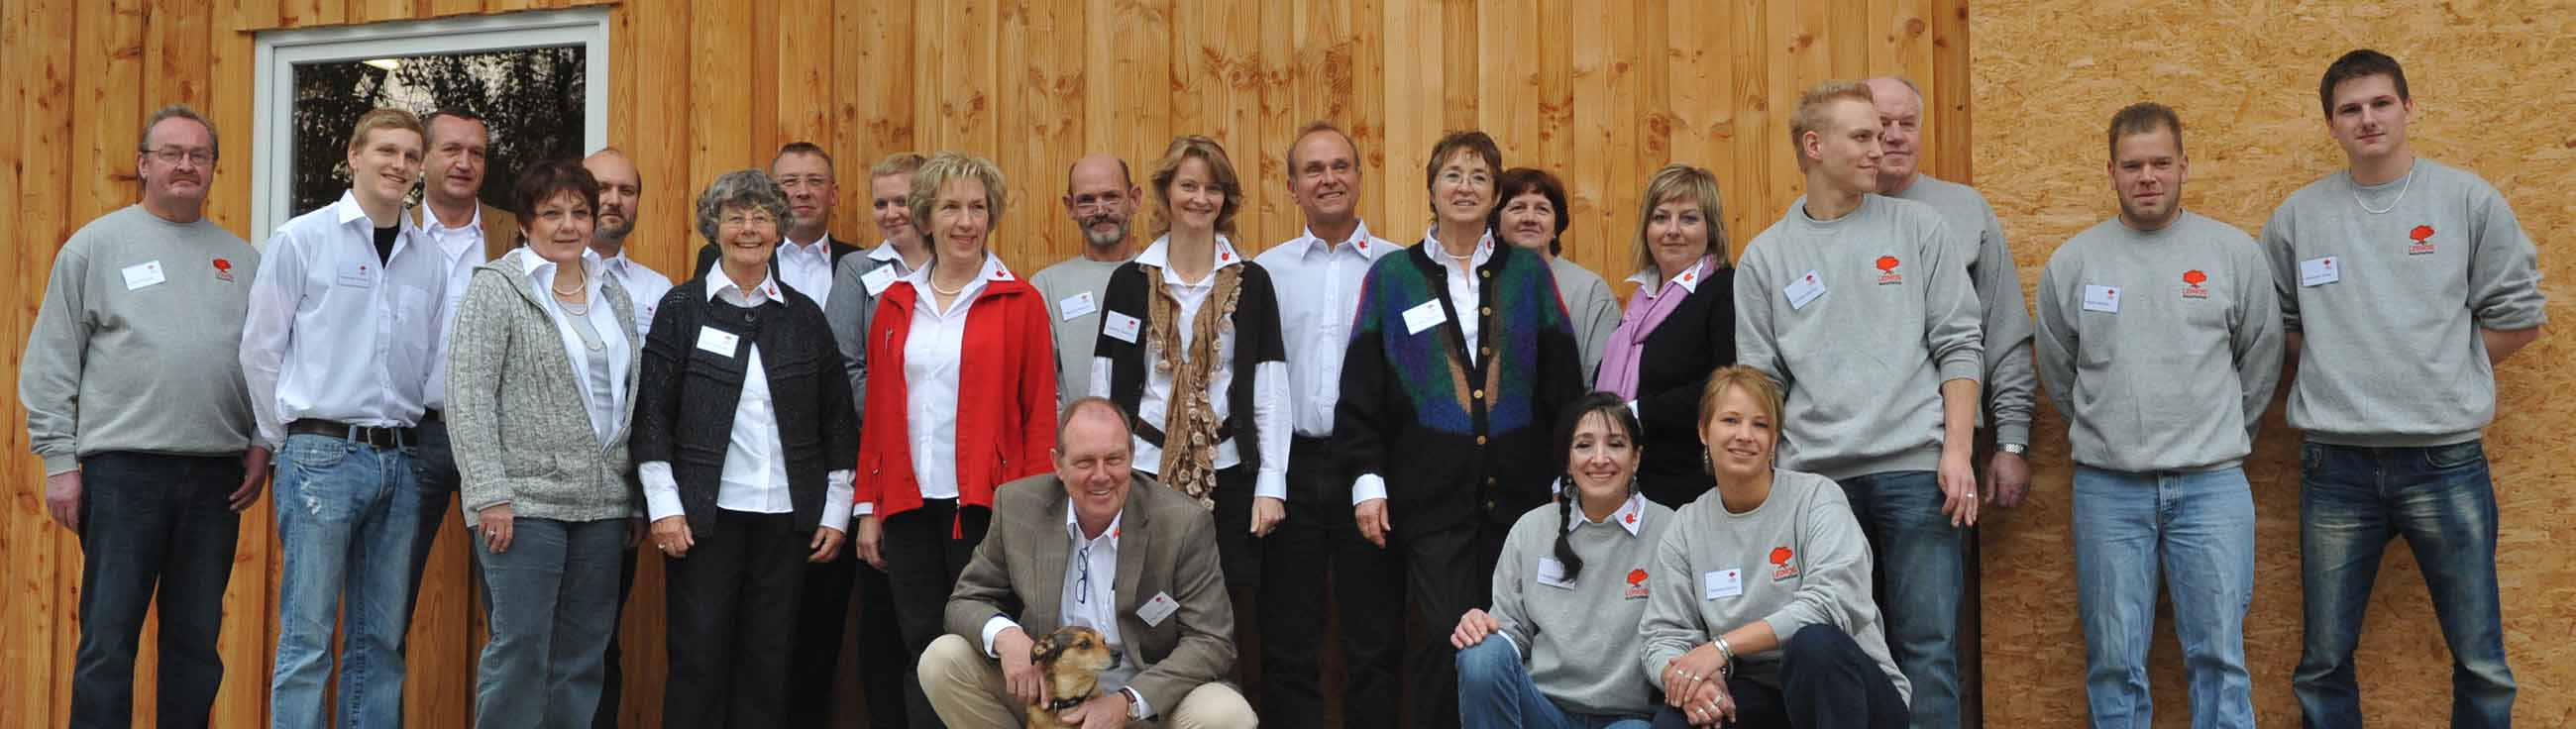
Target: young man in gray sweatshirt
<point x="135" y="402"/>
<point x="2160" y="340"/>
<point x="1860" y="307"/>
<point x="2403" y="284"/>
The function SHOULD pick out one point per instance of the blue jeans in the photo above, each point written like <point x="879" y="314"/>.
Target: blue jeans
<point x="346" y="513"/>
<point x="554" y="604"/>
<point x="1920" y="580"/>
<point x="2352" y="501"/>
<point x="153" y="523"/>
<point x="1495" y="692"/>
<point x="2197" y="529"/>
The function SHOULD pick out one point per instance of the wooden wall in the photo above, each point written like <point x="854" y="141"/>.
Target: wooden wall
<point x="2243" y="76"/>
<point x="1600" y="93"/>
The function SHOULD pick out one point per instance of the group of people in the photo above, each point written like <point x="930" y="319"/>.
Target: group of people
<point x="1740" y="499"/>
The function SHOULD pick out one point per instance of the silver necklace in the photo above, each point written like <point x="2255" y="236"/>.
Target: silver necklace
<point x="2392" y="204"/>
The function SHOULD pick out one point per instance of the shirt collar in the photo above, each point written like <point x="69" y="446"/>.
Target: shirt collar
<point x="429" y="221"/>
<point x="1159" y="255"/>
<point x="1630" y="516"/>
<point x="1689" y="279"/>
<point x="1073" y="528"/>
<point x="993" y="271"/>
<point x="718" y="282"/>
<point x="530" y="262"/>
<point x="1359" y="240"/>
<point x="1484" y="248"/>
<point x="820" y="246"/>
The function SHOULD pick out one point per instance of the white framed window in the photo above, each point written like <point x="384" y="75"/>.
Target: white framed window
<point x="577" y="39"/>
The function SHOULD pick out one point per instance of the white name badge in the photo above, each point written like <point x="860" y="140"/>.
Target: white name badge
<point x="878" y="279"/>
<point x="1722" y="583"/>
<point x="360" y="274"/>
<point x="1120" y="327"/>
<point x="1423" y="317"/>
<point x="2105" y="299"/>
<point x="718" y="341"/>
<point x="1552" y="573"/>
<point x="1155" y="611"/>
<point x="143" y="274"/>
<point x="2319" y="271"/>
<point x="1803" y="291"/>
<point x="1076" y="306"/>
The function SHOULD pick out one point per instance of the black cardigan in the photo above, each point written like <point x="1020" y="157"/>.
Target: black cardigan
<point x="1256" y="340"/>
<point x="1696" y="339"/>
<point x="686" y="399"/>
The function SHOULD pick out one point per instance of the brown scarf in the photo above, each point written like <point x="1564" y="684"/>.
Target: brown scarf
<point x="1189" y="420"/>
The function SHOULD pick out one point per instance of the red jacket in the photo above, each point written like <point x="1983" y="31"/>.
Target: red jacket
<point x="1005" y="397"/>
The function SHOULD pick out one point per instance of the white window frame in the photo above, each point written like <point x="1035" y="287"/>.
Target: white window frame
<point x="279" y="51"/>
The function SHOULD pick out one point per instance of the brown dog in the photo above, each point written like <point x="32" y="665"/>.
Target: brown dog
<point x="1069" y="660"/>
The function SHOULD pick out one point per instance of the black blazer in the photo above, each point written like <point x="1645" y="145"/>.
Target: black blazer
<point x="686" y="398"/>
<point x="707" y="255"/>
<point x="1696" y="339"/>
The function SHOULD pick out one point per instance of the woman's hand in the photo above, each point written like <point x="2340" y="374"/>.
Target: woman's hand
<point x="1473" y="627"/>
<point x="871" y="536"/>
<point x="494" y="522"/>
<point x="1266" y="514"/>
<point x="1710" y="705"/>
<point x="1685" y="674"/>
<point x="671" y="534"/>
<point x="827" y="542"/>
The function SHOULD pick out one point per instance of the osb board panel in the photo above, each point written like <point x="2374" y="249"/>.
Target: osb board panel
<point x="2243" y="77"/>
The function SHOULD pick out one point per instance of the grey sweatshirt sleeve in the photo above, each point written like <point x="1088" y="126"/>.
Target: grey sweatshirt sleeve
<point x="847" y="316"/>
<point x="1509" y="581"/>
<point x="49" y="375"/>
<point x="474" y="359"/>
<point x="2285" y="267"/>
<point x="1950" y="326"/>
<point x="1836" y="572"/>
<point x="1671" y="626"/>
<point x="2007" y="336"/>
<point x="1756" y="344"/>
<point x="1593" y="325"/>
<point x="2057" y="338"/>
<point x="2257" y="338"/>
<point x="2504" y="270"/>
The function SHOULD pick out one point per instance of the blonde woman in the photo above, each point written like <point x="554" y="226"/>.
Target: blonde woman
<point x="1679" y="326"/>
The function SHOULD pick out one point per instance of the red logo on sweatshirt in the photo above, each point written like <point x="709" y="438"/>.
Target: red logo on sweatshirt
<point x="1887" y="273"/>
<point x="2423" y="235"/>
<point x="223" y="270"/>
<point x="2191" y="281"/>
<point x="1781" y="568"/>
<point x="1636" y="585"/>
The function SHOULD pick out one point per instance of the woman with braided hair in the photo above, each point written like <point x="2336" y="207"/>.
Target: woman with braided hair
<point x="1190" y="346"/>
<point x="1569" y="590"/>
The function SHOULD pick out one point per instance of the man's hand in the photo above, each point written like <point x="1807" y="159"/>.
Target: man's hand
<point x="1266" y="514"/>
<point x="871" y="540"/>
<point x="63" y="498"/>
<point x="495" y="523"/>
<point x="1019" y="669"/>
<point x="1473" y="627"/>
<point x="826" y="544"/>
<point x="1106" y="711"/>
<point x="634" y="531"/>
<point x="1373" y="521"/>
<point x="1958" y="487"/>
<point x="254" y="478"/>
<point x="671" y="535"/>
<point x="2007" y="480"/>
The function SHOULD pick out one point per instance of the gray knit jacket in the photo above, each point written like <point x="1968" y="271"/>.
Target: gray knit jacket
<point x="530" y="443"/>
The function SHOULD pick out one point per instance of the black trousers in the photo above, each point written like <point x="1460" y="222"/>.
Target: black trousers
<point x="925" y="549"/>
<point x="822" y="607"/>
<point x="885" y="677"/>
<point x="1825" y="681"/>
<point x="1367" y="592"/>
<point x="732" y="622"/>
<point x="1447" y="571"/>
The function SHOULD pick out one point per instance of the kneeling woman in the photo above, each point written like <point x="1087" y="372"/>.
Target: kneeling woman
<point x="1568" y="592"/>
<point x="1761" y="613"/>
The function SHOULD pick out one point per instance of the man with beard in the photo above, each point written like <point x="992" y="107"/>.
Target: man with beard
<point x="1101" y="198"/>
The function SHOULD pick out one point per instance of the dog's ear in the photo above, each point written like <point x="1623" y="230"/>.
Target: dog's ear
<point x="1045" y="649"/>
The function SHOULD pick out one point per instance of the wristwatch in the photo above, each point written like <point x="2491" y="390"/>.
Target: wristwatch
<point x="1135" y="705"/>
<point x="2013" y="448"/>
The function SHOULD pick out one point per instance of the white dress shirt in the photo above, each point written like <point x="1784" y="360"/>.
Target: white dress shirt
<point x="1090" y="599"/>
<point x="1269" y="407"/>
<point x="1464" y="296"/>
<point x="1318" y="282"/>
<point x="461" y="248"/>
<point x="644" y="286"/>
<point x="807" y="267"/>
<point x="335" y="334"/>
<point x="755" y="462"/>
<point x="609" y="409"/>
<point x="932" y="352"/>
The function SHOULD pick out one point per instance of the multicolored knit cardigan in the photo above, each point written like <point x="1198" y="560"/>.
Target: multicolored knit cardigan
<point x="1458" y="439"/>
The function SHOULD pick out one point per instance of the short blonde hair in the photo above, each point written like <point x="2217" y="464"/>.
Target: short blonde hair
<point x="383" y="119"/>
<point x="1811" y="112"/>
<point x="899" y="163"/>
<point x="1674" y="182"/>
<point x="1755" y="383"/>
<point x="1220" y="172"/>
<point x="937" y="171"/>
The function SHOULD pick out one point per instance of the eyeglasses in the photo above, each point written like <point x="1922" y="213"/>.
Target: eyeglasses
<point x="739" y="220"/>
<point x="1085" y="205"/>
<point x="172" y="156"/>
<point x="1082" y="583"/>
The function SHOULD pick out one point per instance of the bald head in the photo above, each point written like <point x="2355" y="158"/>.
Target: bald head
<point x="620" y="187"/>
<point x="1900" y="121"/>
<point x="1101" y="198"/>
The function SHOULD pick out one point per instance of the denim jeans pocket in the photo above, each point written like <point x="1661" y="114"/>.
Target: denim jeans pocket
<point x="2455" y="455"/>
<point x="314" y="454"/>
<point x="2311" y="458"/>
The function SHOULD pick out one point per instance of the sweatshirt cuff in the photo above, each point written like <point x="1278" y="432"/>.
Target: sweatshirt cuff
<point x="1368" y="487"/>
<point x="1963" y="366"/>
<point x="57" y="464"/>
<point x="2012" y="432"/>
<point x="661" y="493"/>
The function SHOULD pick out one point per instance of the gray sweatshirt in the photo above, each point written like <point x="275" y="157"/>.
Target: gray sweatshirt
<point x="1066" y="284"/>
<point x="1862" y="347"/>
<point x="1590" y="306"/>
<point x="1579" y="637"/>
<point x="2009" y="384"/>
<point x="2144" y="338"/>
<point x="2390" y="303"/>
<point x="137" y="343"/>
<point x="1797" y="560"/>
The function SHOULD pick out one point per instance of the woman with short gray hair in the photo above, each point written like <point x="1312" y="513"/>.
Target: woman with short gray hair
<point x="746" y="433"/>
